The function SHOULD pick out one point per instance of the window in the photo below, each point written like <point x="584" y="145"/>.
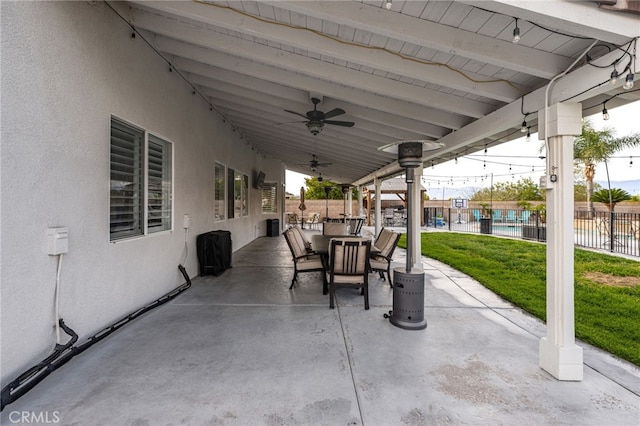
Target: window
<point x="269" y="197"/>
<point x="220" y="186"/>
<point x="131" y="188"/>
<point x="126" y="209"/>
<point x="238" y="194"/>
<point x="158" y="185"/>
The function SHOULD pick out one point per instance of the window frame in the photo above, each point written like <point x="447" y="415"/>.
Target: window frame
<point x="219" y="205"/>
<point x="141" y="190"/>
<point x="272" y="197"/>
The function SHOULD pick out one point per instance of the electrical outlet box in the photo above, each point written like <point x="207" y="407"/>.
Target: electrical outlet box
<point x="186" y="221"/>
<point x="57" y="240"/>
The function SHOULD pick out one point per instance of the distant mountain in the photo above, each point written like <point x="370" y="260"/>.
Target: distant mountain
<point x="631" y="186"/>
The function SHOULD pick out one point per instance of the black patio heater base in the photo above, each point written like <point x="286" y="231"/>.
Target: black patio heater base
<point x="408" y="300"/>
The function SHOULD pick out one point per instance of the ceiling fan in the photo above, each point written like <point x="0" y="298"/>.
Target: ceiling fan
<point x="314" y="163"/>
<point x="317" y="119"/>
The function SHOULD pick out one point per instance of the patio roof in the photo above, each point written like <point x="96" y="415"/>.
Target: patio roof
<point x="432" y="70"/>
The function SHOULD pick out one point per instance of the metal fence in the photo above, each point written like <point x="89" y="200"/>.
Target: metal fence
<point x="610" y="231"/>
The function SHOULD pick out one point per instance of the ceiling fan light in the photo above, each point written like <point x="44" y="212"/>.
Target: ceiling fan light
<point x="315" y="127"/>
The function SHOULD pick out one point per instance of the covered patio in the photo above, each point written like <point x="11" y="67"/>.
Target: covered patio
<point x="130" y="128"/>
<point x="243" y="349"/>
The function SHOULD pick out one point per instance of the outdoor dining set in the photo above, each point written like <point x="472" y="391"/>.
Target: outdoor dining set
<point x="344" y="259"/>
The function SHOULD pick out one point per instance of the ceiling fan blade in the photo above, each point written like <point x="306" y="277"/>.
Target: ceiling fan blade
<point x="334" y="112"/>
<point x="340" y="123"/>
<point x="296" y="113"/>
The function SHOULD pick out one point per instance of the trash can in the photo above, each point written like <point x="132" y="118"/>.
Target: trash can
<point x="273" y="227"/>
<point x="485" y="225"/>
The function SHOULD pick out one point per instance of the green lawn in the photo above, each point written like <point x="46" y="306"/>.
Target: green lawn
<point x="607" y="288"/>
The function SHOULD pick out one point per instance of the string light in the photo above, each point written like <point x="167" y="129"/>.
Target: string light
<point x="628" y="82"/>
<point x="528" y="134"/>
<point x="485" y="149"/>
<point x="630" y="161"/>
<point x="614" y="76"/>
<point x="605" y="113"/>
<point x="516" y="33"/>
<point x="524" y="126"/>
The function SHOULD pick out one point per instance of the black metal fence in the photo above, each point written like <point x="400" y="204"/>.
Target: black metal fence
<point x="610" y="231"/>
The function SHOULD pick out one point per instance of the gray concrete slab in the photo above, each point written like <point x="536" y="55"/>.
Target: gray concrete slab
<point x="243" y="349"/>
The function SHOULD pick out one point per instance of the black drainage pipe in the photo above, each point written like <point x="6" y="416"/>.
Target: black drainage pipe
<point x="63" y="353"/>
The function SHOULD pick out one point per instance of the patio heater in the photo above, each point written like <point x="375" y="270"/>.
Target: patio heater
<point x="327" y="190"/>
<point x="345" y="190"/>
<point x="408" y="282"/>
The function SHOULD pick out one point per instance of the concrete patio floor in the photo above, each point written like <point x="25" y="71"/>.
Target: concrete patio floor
<point x="243" y="349"/>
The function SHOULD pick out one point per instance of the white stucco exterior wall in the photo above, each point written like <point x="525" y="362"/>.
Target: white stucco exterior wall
<point x="66" y="67"/>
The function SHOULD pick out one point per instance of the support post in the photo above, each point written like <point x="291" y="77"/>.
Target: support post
<point x="559" y="355"/>
<point x="416" y="213"/>
<point x="377" y="183"/>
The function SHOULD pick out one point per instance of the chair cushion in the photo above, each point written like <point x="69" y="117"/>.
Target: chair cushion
<point x="303" y="238"/>
<point x="378" y="264"/>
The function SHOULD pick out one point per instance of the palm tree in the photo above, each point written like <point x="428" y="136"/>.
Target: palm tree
<point x="610" y="197"/>
<point x="598" y="146"/>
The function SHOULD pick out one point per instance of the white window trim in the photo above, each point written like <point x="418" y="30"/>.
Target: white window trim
<point x="145" y="181"/>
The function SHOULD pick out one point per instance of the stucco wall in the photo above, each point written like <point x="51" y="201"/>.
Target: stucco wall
<point x="66" y="68"/>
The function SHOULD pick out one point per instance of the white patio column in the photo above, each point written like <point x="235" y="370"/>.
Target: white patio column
<point x="416" y="214"/>
<point x="559" y="354"/>
<point x="377" y="183"/>
<point x="360" y="204"/>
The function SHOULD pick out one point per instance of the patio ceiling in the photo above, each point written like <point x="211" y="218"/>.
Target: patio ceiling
<point x="435" y="70"/>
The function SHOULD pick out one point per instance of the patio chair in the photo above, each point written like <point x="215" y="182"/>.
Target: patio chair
<point x="329" y="228"/>
<point x="303" y="237"/>
<point x="303" y="260"/>
<point x="389" y="217"/>
<point x="476" y="215"/>
<point x="314" y="221"/>
<point x="355" y="225"/>
<point x="511" y="216"/>
<point x="497" y="215"/>
<point x="349" y="266"/>
<point x="385" y="245"/>
<point x="292" y="219"/>
<point x="524" y="217"/>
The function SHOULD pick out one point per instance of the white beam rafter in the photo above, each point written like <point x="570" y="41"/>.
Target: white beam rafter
<point x="318" y="69"/>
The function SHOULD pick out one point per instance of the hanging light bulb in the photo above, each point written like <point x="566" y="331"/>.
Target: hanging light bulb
<point x="528" y="134"/>
<point x="484" y="166"/>
<point x="614" y="77"/>
<point x="456" y="159"/>
<point x="630" y="161"/>
<point x="628" y="82"/>
<point x="516" y="33"/>
<point x="485" y="149"/>
<point x="524" y="127"/>
<point x="605" y="113"/>
<point x="388" y="4"/>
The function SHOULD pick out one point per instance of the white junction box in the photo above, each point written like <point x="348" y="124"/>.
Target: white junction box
<point x="57" y="240"/>
<point x="186" y="221"/>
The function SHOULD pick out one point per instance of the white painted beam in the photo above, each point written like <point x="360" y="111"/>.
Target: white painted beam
<point x="433" y="35"/>
<point x="322" y="70"/>
<point x="583" y="18"/>
<point x="384" y="101"/>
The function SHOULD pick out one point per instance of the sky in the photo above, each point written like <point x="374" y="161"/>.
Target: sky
<point x="518" y="159"/>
